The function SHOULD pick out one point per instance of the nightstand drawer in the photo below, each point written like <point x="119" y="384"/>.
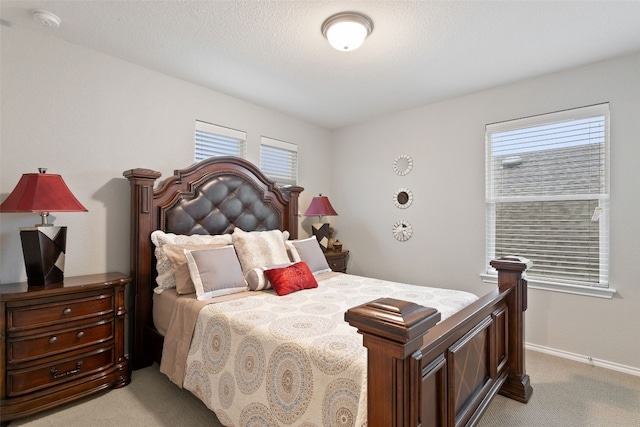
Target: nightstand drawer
<point x="33" y="379"/>
<point x="58" y="312"/>
<point x="337" y="260"/>
<point x="32" y="347"/>
<point x="337" y="264"/>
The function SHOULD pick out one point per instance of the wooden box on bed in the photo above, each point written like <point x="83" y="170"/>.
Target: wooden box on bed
<point x="420" y="372"/>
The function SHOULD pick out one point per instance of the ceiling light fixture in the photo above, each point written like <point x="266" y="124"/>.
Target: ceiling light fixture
<point x="46" y="19"/>
<point x="347" y="30"/>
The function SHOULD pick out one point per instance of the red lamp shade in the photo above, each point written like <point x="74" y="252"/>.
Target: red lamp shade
<point x="43" y="246"/>
<point x="41" y="192"/>
<point x="320" y="206"/>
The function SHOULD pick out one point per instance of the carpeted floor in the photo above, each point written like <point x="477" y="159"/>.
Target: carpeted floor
<point x="565" y="394"/>
<point x="569" y="394"/>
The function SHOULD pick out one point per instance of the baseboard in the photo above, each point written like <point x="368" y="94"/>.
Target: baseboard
<point x="585" y="359"/>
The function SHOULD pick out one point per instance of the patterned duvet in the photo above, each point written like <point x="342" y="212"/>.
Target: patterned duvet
<point x="266" y="360"/>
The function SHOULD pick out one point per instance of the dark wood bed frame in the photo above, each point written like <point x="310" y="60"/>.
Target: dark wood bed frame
<point x="420" y="372"/>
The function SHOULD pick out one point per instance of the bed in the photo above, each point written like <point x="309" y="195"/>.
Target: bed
<point x="420" y="370"/>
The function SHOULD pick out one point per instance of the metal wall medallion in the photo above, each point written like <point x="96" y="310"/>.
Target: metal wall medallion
<point x="403" y="198"/>
<point x="402" y="231"/>
<point x="403" y="164"/>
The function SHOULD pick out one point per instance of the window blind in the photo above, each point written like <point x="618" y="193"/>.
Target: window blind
<point x="279" y="161"/>
<point x="213" y="140"/>
<point x="547" y="194"/>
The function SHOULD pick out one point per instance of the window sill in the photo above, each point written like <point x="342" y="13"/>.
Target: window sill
<point x="590" y="291"/>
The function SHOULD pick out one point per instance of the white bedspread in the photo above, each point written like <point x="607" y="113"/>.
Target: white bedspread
<point x="293" y="360"/>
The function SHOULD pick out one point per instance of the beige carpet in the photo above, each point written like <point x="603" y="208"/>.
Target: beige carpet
<point x="569" y="394"/>
<point x="565" y="394"/>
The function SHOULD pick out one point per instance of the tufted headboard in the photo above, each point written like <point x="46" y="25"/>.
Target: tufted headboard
<point x="210" y="197"/>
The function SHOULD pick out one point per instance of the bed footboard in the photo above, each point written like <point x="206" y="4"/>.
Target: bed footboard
<point x="424" y="373"/>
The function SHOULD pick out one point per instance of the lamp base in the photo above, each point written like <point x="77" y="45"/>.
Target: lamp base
<point x="43" y="249"/>
<point x="321" y="231"/>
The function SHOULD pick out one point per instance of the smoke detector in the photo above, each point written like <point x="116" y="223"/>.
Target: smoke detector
<point x="46" y="19"/>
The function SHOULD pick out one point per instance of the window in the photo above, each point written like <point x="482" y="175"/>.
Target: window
<point x="547" y="197"/>
<point x="214" y="140"/>
<point x="279" y="161"/>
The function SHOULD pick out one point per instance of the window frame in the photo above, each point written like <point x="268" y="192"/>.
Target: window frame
<point x="285" y="179"/>
<point x="603" y="288"/>
<point x="226" y="136"/>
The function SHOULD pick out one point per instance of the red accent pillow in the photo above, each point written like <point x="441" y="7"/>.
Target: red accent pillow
<point x="292" y="278"/>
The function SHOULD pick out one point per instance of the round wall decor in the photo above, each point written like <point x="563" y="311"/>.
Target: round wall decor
<point x="403" y="164"/>
<point x="402" y="231"/>
<point x="403" y="198"/>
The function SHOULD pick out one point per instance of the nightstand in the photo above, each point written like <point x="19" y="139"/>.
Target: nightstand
<point x="337" y="260"/>
<point x="61" y="343"/>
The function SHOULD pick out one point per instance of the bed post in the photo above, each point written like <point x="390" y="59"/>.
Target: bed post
<point x="142" y="224"/>
<point x="292" y="192"/>
<point x="511" y="275"/>
<point x="392" y="330"/>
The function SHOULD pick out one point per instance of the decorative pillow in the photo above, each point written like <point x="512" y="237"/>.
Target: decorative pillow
<point x="308" y="250"/>
<point x="180" y="267"/>
<point x="292" y="278"/>
<point x="259" y="248"/>
<point x="257" y="281"/>
<point x="166" y="278"/>
<point x="215" y="272"/>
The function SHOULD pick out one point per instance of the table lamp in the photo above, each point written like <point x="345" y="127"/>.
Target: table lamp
<point x="43" y="245"/>
<point x="320" y="206"/>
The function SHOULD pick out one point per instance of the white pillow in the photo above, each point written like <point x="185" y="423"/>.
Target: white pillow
<point x="260" y="248"/>
<point x="166" y="278"/>
<point x="215" y="272"/>
<point x="308" y="250"/>
<point x="256" y="279"/>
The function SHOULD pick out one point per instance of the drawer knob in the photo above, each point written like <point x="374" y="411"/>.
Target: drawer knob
<point x="66" y="311"/>
<point x="53" y="339"/>
<point x="80" y="334"/>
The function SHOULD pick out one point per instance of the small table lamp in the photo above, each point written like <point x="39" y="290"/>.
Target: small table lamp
<point x="44" y="244"/>
<point x="321" y="206"/>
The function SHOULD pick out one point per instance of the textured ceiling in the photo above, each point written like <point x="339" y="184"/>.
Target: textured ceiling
<point x="272" y="53"/>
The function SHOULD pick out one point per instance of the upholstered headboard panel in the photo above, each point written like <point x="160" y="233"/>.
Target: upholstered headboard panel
<point x="219" y="205"/>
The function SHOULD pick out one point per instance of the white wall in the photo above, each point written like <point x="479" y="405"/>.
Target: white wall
<point x="89" y="117"/>
<point x="446" y="141"/>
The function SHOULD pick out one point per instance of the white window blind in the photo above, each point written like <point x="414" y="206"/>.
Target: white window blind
<point x="279" y="161"/>
<point x="547" y="194"/>
<point x="213" y="140"/>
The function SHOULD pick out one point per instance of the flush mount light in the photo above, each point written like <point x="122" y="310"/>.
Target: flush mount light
<point x="46" y="19"/>
<point x="347" y="30"/>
